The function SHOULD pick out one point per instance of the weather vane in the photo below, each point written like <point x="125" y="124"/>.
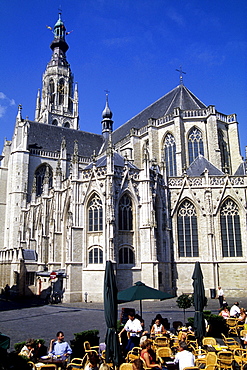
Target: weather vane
<point x="181" y="74"/>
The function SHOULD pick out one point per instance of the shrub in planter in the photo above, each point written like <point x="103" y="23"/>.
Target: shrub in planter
<point x="217" y="325"/>
<point x="77" y="344"/>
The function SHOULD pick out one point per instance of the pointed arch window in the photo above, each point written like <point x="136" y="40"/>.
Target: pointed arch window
<point x="170" y="155"/>
<point x="52" y="91"/>
<point x="195" y="144"/>
<point x="223" y="152"/>
<point x="61" y="92"/>
<point x="95" y="214"/>
<point x="54" y="122"/>
<point x="230" y="229"/>
<point x="126" y="256"/>
<point x="125" y="216"/>
<point x="187" y="230"/>
<point x="43" y="173"/>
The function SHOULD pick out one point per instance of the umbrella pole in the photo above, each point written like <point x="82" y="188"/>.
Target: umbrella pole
<point x="141" y="308"/>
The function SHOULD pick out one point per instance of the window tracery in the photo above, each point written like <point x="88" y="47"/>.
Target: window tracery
<point x="230" y="229"/>
<point x="125" y="216"/>
<point x="187" y="230"/>
<point x="95" y="214"/>
<point x="195" y="144"/>
<point x="170" y="155"/>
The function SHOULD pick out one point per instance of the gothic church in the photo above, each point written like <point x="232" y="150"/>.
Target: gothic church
<point x="162" y="191"/>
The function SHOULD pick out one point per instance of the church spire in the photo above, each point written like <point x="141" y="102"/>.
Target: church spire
<point x="59" y="97"/>
<point x="107" y="119"/>
<point x="59" y="46"/>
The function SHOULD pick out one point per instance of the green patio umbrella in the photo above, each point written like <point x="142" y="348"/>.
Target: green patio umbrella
<point x="140" y="291"/>
<point x="111" y="312"/>
<point x="4" y="341"/>
<point x="199" y="302"/>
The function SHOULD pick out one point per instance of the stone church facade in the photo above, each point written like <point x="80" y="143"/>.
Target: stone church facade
<point x="162" y="191"/>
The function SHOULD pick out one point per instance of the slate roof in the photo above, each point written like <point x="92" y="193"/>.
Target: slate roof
<point x="119" y="161"/>
<point x="180" y="97"/>
<point x="49" y="137"/>
<point x="198" y="166"/>
<point x="241" y="171"/>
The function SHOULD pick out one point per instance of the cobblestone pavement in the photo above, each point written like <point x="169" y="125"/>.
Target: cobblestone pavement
<point x="28" y="319"/>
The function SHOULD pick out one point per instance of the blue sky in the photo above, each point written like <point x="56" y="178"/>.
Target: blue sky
<point x="132" y="48"/>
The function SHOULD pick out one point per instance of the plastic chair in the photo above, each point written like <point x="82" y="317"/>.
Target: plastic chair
<point x="126" y="366"/>
<point x="31" y="365"/>
<point x="232" y="324"/>
<point x="240" y="356"/>
<point x="48" y="367"/>
<point x="88" y="348"/>
<point x="78" y="361"/>
<point x="163" y="354"/>
<point x="133" y="354"/>
<point x="191" y="339"/>
<point x="161" y="342"/>
<point x="209" y="341"/>
<point x="202" y="360"/>
<point x="224" y="360"/>
<point x="231" y="343"/>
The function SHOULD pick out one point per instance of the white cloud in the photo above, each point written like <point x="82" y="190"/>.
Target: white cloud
<point x="5" y="103"/>
<point x="176" y="17"/>
<point x="2" y="110"/>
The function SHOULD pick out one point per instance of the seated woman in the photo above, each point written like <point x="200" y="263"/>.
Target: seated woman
<point x="157" y="329"/>
<point x="242" y="316"/>
<point x="224" y="313"/>
<point x="148" y="355"/>
<point x="93" y="363"/>
<point x="28" y="349"/>
<point x="182" y="334"/>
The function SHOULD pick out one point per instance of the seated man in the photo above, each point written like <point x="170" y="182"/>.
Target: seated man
<point x="184" y="358"/>
<point x="235" y="310"/>
<point x="59" y="347"/>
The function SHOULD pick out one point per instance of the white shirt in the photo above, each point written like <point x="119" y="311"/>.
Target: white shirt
<point x="184" y="359"/>
<point x="220" y="292"/>
<point x="234" y="310"/>
<point x="133" y="327"/>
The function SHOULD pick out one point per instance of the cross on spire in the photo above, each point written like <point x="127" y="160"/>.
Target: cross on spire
<point x="180" y="70"/>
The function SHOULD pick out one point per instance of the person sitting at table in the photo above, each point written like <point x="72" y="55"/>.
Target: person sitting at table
<point x="137" y="364"/>
<point x="148" y="354"/>
<point x="40" y="350"/>
<point x="182" y="334"/>
<point x="157" y="329"/>
<point x="93" y="363"/>
<point x="235" y="310"/>
<point x="59" y="347"/>
<point x="184" y="358"/>
<point x="28" y="349"/>
<point x="242" y="316"/>
<point x="224" y="312"/>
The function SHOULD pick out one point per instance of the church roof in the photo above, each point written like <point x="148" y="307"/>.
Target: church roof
<point x="49" y="137"/>
<point x="119" y="161"/>
<point x="199" y="165"/>
<point x="241" y="171"/>
<point x="180" y="97"/>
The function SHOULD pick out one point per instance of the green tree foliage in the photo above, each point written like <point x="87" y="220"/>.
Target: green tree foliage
<point x="184" y="301"/>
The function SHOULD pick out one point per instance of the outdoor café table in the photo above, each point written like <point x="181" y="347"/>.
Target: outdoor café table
<point x="170" y="365"/>
<point x="59" y="362"/>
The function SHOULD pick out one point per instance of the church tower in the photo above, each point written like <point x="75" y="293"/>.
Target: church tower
<point x="58" y="103"/>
